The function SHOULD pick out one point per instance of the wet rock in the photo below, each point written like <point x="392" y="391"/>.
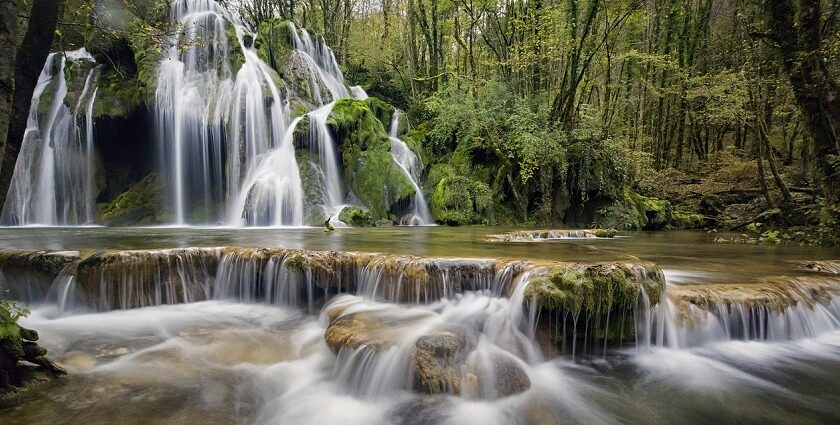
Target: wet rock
<point x="539" y="235"/>
<point x="437" y="362"/>
<point x="509" y="377"/>
<point x="774" y="294"/>
<point x="140" y="204"/>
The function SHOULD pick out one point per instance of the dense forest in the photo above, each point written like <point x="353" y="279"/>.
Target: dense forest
<point x="630" y="114"/>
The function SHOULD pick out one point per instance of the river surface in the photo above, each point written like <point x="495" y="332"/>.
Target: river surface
<point x="227" y="363"/>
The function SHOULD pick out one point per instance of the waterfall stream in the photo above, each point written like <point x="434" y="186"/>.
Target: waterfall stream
<point x="53" y="177"/>
<point x="411" y="167"/>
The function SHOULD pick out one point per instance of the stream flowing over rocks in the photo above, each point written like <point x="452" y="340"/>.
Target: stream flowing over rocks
<point x="291" y="335"/>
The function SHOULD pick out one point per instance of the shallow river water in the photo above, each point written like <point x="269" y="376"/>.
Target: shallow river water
<point x="231" y="362"/>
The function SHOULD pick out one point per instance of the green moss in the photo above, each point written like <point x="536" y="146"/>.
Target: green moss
<point x="117" y="96"/>
<point x="356" y="217"/>
<point x="296" y="262"/>
<point x="235" y="53"/>
<point x="595" y="289"/>
<point x="369" y="168"/>
<point x="606" y="233"/>
<point x="381" y="109"/>
<point x="687" y="220"/>
<point x="636" y="212"/>
<point x="313" y="186"/>
<point x="376" y="180"/>
<point x="298" y="110"/>
<point x="274" y="42"/>
<point x="460" y="200"/>
<point x="140" y="204"/>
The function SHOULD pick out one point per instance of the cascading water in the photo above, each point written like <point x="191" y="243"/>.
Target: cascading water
<point x="53" y="182"/>
<point x="322" y="144"/>
<point x="223" y="133"/>
<point x="321" y="61"/>
<point x="394" y="329"/>
<point x="411" y="166"/>
<point x="215" y="128"/>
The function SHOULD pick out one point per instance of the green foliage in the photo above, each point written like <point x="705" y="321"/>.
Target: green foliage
<point x="459" y="200"/>
<point x="356" y="217"/>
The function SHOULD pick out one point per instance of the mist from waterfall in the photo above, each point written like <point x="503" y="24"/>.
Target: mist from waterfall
<point x="53" y="181"/>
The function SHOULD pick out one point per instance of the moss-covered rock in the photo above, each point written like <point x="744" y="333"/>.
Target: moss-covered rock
<point x="382" y="110"/>
<point x="369" y="168"/>
<point x="603" y="295"/>
<point x="606" y="233"/>
<point x="140" y="204"/>
<point x="460" y="200"/>
<point x="18" y="345"/>
<point x="313" y="184"/>
<point x="636" y="212"/>
<point x="687" y="220"/>
<point x="356" y="217"/>
<point x="274" y="42"/>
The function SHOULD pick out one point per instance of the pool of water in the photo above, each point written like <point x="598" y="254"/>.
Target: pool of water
<point x="685" y="256"/>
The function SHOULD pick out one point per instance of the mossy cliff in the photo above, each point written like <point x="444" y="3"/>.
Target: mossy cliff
<point x="369" y="169"/>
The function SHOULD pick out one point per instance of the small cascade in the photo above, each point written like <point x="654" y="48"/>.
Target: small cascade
<point x="321" y="143"/>
<point x="412" y="167"/>
<point x="322" y="63"/>
<point x="53" y="181"/>
<point x="271" y="193"/>
<point x="784" y="310"/>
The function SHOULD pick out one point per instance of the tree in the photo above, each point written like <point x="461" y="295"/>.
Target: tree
<point x="815" y="89"/>
<point x="8" y="44"/>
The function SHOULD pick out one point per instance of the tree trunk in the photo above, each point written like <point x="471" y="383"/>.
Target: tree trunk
<point x="815" y="90"/>
<point x="31" y="57"/>
<point x="8" y="44"/>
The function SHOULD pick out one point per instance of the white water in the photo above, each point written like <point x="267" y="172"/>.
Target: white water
<point x="411" y="166"/>
<point x="53" y="181"/>
<point x="224" y="137"/>
<point x="322" y="63"/>
<point x="259" y="363"/>
<point x="322" y="144"/>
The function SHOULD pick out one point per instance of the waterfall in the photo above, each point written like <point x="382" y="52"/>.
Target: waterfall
<point x="408" y="162"/>
<point x="321" y="62"/>
<point x="53" y="180"/>
<point x="271" y="193"/>
<point x="223" y="137"/>
<point x="223" y="134"/>
<point x="678" y="322"/>
<point x="321" y="143"/>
